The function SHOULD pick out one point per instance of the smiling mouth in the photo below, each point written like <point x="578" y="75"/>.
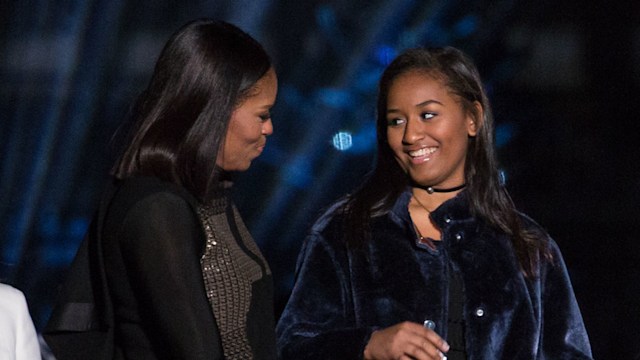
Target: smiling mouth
<point x="422" y="152"/>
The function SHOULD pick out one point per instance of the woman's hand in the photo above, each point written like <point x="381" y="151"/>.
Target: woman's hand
<point x="405" y="341"/>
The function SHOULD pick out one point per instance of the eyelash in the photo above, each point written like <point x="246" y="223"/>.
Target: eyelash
<point x="394" y="122"/>
<point x="398" y="121"/>
<point x="265" y="117"/>
<point x="430" y="115"/>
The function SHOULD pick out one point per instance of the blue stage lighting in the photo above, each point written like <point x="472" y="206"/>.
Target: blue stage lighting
<point x="342" y="141"/>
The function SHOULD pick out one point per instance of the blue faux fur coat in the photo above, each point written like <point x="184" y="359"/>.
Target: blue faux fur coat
<point x="342" y="295"/>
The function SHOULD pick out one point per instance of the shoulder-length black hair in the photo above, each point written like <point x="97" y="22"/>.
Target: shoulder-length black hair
<point x="488" y="198"/>
<point x="204" y="71"/>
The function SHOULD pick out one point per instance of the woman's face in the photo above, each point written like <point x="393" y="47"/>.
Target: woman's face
<point x="249" y="126"/>
<point x="428" y="130"/>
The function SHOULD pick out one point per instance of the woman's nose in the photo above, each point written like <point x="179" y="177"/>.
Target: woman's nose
<point x="413" y="131"/>
<point x="267" y="127"/>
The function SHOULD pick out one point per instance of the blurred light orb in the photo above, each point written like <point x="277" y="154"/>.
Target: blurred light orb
<point x="342" y="141"/>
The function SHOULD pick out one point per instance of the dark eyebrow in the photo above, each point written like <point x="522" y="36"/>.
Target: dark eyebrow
<point x="429" y="102"/>
<point x="268" y="106"/>
<point x="426" y="102"/>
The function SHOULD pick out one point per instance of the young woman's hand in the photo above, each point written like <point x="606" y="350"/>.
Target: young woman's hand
<point x="405" y="341"/>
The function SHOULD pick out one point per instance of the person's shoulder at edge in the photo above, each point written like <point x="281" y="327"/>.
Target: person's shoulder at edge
<point x="10" y="295"/>
<point x="145" y="200"/>
<point x="543" y="235"/>
<point x="330" y="217"/>
<point x="13" y="305"/>
<point x="333" y="218"/>
<point x="143" y="186"/>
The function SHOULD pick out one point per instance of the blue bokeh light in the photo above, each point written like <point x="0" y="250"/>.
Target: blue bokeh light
<point x="335" y="98"/>
<point x="384" y="54"/>
<point x="504" y="134"/>
<point x="342" y="141"/>
<point x="467" y="25"/>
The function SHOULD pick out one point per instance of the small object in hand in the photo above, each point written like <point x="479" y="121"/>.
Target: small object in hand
<point x="429" y="324"/>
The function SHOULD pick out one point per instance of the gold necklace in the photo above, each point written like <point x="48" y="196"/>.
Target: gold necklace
<point x="421" y="204"/>
<point x="424" y="240"/>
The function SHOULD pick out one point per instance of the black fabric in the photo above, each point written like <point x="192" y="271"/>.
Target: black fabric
<point x="261" y="316"/>
<point x="81" y="324"/>
<point x="261" y="339"/>
<point x="342" y="294"/>
<point x="147" y="252"/>
<point x="455" y="336"/>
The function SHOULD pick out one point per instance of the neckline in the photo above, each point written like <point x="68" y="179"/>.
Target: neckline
<point x="433" y="248"/>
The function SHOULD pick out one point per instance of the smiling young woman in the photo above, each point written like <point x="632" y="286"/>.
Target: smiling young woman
<point x="429" y="256"/>
<point x="428" y="130"/>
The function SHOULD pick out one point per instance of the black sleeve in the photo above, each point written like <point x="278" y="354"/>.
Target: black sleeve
<point x="318" y="321"/>
<point x="161" y="241"/>
<point x="563" y="335"/>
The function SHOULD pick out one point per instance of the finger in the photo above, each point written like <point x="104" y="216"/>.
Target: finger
<point x="427" y="351"/>
<point x="423" y="348"/>
<point x="432" y="338"/>
<point x="433" y="352"/>
<point x="418" y="352"/>
<point x="420" y="341"/>
<point x="435" y="339"/>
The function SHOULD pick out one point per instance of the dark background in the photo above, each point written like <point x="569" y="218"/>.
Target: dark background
<point x="563" y="77"/>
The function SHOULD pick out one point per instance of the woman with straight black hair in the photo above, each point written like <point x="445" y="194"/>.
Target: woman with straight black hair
<point x="168" y="270"/>
<point x="429" y="258"/>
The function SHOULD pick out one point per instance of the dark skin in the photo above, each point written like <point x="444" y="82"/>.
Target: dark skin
<point x="420" y="211"/>
<point x="405" y="341"/>
<point x="428" y="131"/>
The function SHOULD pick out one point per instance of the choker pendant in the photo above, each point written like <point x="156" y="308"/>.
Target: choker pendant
<point x="431" y="189"/>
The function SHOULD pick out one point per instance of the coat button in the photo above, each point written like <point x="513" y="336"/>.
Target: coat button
<point x="479" y="312"/>
<point x="459" y="236"/>
<point x="447" y="219"/>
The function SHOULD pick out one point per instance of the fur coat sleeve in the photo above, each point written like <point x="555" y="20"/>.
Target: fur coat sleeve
<point x="341" y="295"/>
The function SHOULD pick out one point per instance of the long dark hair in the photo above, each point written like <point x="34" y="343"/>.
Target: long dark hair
<point x="205" y="70"/>
<point x="488" y="198"/>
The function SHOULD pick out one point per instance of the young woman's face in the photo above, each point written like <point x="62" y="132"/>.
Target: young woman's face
<point x="249" y="126"/>
<point x="428" y="130"/>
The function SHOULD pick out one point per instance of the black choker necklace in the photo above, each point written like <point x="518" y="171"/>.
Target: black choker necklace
<point x="431" y="189"/>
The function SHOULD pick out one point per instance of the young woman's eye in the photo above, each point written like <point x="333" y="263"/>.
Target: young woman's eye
<point x="395" y="122"/>
<point x="265" y="116"/>
<point x="427" y="115"/>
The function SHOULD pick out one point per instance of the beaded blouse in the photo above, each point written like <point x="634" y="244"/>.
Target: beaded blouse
<point x="231" y="264"/>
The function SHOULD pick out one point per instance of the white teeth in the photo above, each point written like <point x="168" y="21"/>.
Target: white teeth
<point x="422" y="152"/>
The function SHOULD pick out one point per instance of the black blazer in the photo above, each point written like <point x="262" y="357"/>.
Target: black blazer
<point x="135" y="288"/>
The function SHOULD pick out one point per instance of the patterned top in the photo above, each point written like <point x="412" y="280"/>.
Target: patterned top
<point x="231" y="264"/>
